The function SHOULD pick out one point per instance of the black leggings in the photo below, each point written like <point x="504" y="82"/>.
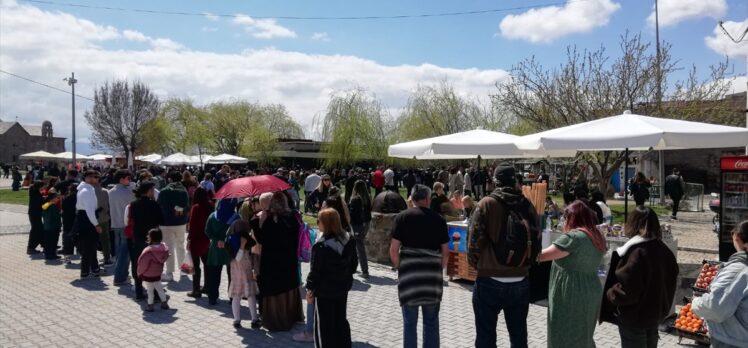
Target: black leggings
<point x="331" y="327"/>
<point x="36" y="235"/>
<point x="197" y="271"/>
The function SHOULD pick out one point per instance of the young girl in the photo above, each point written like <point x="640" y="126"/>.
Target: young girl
<point x="52" y="221"/>
<point x="329" y="281"/>
<point x="243" y="283"/>
<point x="151" y="265"/>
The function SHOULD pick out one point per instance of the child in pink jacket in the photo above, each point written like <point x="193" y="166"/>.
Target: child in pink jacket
<point x="151" y="265"/>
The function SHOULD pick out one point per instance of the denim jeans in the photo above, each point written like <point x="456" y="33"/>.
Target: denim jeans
<point x="638" y="338"/>
<point x="430" y="326"/>
<point x="490" y="297"/>
<point x="123" y="256"/>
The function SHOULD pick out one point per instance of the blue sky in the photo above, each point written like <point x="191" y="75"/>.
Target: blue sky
<point x="299" y="63"/>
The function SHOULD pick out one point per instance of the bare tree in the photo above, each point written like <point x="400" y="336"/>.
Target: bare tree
<point x="589" y="85"/>
<point x="120" y="114"/>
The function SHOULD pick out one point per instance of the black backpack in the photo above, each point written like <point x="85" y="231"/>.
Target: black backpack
<point x="518" y="243"/>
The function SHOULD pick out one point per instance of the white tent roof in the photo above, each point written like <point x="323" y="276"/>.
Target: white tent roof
<point x="228" y="159"/>
<point x="100" y="157"/>
<point x="69" y="156"/>
<point x="38" y="155"/>
<point x="635" y="132"/>
<point x="152" y="158"/>
<point x="177" y="159"/>
<point x="469" y="144"/>
<point x="196" y="159"/>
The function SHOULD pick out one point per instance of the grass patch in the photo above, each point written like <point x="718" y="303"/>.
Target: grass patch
<point x="14" y="197"/>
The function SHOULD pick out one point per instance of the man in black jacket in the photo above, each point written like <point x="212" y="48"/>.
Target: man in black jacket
<point x="675" y="187"/>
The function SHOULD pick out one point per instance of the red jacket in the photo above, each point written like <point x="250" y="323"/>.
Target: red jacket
<point x="377" y="180"/>
<point x="151" y="262"/>
<point x="199" y="242"/>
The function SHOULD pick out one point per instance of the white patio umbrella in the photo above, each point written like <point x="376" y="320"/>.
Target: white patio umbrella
<point x="152" y="158"/>
<point x="177" y="159"/>
<point x="225" y="158"/>
<point x="196" y="160"/>
<point x="38" y="155"/>
<point x="470" y="144"/>
<point x="69" y="156"/>
<point x="635" y="132"/>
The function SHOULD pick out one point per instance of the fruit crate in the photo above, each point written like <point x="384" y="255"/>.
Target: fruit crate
<point x="709" y="270"/>
<point x="690" y="326"/>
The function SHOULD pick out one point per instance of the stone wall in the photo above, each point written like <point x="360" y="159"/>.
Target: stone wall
<point x="378" y="238"/>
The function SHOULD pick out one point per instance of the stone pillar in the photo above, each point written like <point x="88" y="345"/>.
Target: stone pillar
<point x="378" y="238"/>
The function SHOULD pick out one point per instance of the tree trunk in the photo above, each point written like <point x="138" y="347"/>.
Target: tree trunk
<point x="130" y="164"/>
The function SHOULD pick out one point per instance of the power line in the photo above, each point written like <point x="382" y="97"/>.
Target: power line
<point x="43" y="84"/>
<point x="403" y="16"/>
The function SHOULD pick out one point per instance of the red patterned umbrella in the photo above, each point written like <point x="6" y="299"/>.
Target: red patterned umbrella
<point x="251" y="186"/>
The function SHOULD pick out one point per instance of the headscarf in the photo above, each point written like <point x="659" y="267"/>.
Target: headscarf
<point x="225" y="212"/>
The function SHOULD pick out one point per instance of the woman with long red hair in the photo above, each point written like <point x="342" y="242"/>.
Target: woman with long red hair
<point x="574" y="284"/>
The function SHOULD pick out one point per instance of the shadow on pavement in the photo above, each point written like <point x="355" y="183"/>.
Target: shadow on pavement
<point x="263" y="338"/>
<point x="159" y="316"/>
<point x="184" y="284"/>
<point x="374" y="280"/>
<point x="359" y="285"/>
<point x="90" y="284"/>
<point x="223" y="306"/>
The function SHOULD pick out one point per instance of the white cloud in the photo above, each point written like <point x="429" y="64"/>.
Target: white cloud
<point x="547" y="24"/>
<point x="157" y="43"/>
<point x="209" y="29"/>
<point x="321" y="37"/>
<point x="263" y="28"/>
<point x="211" y="17"/>
<point x="47" y="46"/>
<point x="720" y="43"/>
<point x="738" y="85"/>
<point x="672" y="12"/>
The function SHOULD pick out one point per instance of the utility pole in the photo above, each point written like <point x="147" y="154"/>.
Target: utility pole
<point x="71" y="82"/>
<point x="658" y="97"/>
<point x="738" y="40"/>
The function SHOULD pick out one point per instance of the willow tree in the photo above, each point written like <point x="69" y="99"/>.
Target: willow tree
<point x="189" y="124"/>
<point x="354" y="128"/>
<point x="120" y="114"/>
<point x="439" y="110"/>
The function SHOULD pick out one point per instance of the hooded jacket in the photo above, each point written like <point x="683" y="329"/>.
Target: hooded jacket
<point x="51" y="217"/>
<point x="725" y="307"/>
<point x="641" y="284"/>
<point x="151" y="262"/>
<point x="334" y="260"/>
<point x="487" y="221"/>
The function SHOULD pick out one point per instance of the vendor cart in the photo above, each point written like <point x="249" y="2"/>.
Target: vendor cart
<point x="458" y="266"/>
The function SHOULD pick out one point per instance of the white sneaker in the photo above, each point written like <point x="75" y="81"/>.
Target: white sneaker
<point x="167" y="277"/>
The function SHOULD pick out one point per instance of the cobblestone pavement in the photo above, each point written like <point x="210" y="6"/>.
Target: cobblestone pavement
<point x="46" y="305"/>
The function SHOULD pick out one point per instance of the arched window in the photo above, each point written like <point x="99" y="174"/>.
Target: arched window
<point x="47" y="129"/>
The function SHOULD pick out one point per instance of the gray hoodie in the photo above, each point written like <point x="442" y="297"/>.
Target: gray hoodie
<point x="725" y="307"/>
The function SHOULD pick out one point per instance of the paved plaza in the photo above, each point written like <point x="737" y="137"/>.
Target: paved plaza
<point x="46" y="305"/>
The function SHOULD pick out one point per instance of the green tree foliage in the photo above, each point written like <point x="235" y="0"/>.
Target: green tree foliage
<point x="439" y="110"/>
<point x="354" y="128"/>
<point x="158" y="137"/>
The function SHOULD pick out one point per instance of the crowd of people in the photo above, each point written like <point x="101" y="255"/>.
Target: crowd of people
<point x="153" y="223"/>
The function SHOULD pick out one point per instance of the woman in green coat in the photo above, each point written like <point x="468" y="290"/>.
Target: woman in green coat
<point x="218" y="255"/>
<point x="574" y="283"/>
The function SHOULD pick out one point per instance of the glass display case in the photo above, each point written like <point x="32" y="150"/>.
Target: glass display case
<point x="733" y="200"/>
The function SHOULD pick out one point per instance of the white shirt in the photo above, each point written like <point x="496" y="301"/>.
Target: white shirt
<point x="389" y="177"/>
<point x="87" y="201"/>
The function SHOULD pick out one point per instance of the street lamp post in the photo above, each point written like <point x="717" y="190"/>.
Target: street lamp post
<point x="71" y="82"/>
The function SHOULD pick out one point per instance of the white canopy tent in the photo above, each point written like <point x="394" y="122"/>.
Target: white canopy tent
<point x="635" y="132"/>
<point x="177" y="159"/>
<point x="469" y="144"/>
<point x="38" y="155"/>
<point x="227" y="159"/>
<point x="100" y="157"/>
<point x="196" y="159"/>
<point x="152" y="158"/>
<point x="69" y="156"/>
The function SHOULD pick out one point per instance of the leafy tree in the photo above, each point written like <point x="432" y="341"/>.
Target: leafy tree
<point x="189" y="124"/>
<point x="120" y="114"/>
<point x="354" y="128"/>
<point x="158" y="137"/>
<point x="439" y="110"/>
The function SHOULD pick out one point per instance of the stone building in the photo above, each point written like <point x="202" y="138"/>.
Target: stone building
<point x="17" y="139"/>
